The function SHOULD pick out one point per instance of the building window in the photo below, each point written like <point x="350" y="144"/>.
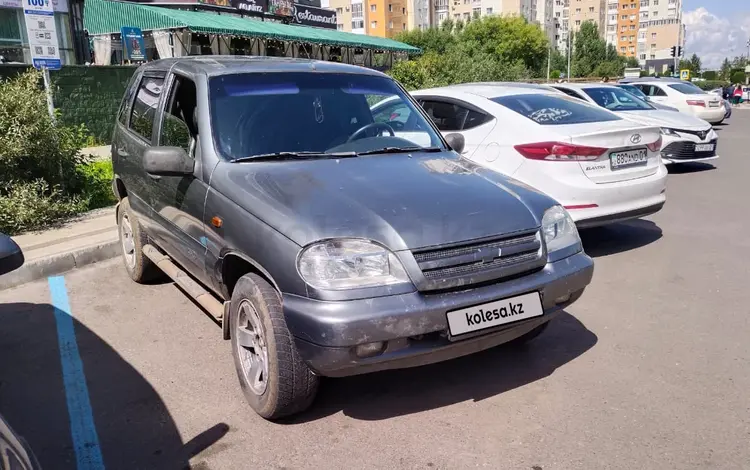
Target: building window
<point x="489" y="11"/>
<point x="623" y="29"/>
<point x="403" y="11"/>
<point x="358" y="24"/>
<point x="644" y="3"/>
<point x="373" y="7"/>
<point x="624" y="17"/>
<point x="655" y="14"/>
<point x="340" y="27"/>
<point x="641" y="34"/>
<point x="390" y="8"/>
<point x="339" y="11"/>
<point x="656" y="3"/>
<point x="591" y="9"/>
<point x="653" y="35"/>
<point x="578" y="10"/>
<point x="578" y="22"/>
<point x="632" y="50"/>
<point x="653" y="46"/>
<point x="467" y="15"/>
<point x="632" y="38"/>
<point x="623" y="49"/>
<point x="643" y="56"/>
<point x="373" y="24"/>
<point x="632" y="27"/>
<point x="611" y="28"/>
<point x="403" y="26"/>
<point x="357" y="10"/>
<point x="623" y="38"/>
<point x="390" y="25"/>
<point x="476" y="11"/>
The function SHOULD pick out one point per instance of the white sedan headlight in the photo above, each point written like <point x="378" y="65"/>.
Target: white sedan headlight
<point x="670" y="132"/>
<point x="559" y="230"/>
<point x="349" y="263"/>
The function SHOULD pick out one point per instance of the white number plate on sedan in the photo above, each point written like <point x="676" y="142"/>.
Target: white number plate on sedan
<point x="494" y="313"/>
<point x="628" y="158"/>
<point x="704" y="147"/>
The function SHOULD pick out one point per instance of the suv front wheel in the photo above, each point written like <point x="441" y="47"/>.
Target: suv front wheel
<point x="273" y="376"/>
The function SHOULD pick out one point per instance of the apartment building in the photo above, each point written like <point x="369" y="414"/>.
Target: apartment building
<point x="587" y="10"/>
<point x="384" y="18"/>
<point x="645" y="29"/>
<point x="465" y="9"/>
<point x="419" y="14"/>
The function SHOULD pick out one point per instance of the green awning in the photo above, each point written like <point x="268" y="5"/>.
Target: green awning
<point x="105" y="17"/>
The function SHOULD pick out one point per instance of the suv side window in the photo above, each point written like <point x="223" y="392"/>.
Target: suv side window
<point x="145" y="105"/>
<point x="123" y="113"/>
<point x="179" y="125"/>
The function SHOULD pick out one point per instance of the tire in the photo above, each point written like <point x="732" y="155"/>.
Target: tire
<point x="526" y="338"/>
<point x="132" y="238"/>
<point x="284" y="385"/>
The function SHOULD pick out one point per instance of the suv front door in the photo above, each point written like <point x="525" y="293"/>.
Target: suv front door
<point x="177" y="201"/>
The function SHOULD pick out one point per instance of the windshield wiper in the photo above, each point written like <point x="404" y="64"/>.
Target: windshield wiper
<point x="292" y="156"/>
<point x="400" y="150"/>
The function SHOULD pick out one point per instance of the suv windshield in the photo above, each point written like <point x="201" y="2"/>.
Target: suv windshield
<point x="266" y="114"/>
<point x="548" y="109"/>
<point x="687" y="89"/>
<point x="616" y="99"/>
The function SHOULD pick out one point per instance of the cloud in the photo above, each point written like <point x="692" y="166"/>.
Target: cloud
<point x="713" y="38"/>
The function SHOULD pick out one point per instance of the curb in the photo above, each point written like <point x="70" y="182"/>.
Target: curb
<point x="60" y="263"/>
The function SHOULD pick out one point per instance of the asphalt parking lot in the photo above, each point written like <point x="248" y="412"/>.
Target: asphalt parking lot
<point x="650" y="369"/>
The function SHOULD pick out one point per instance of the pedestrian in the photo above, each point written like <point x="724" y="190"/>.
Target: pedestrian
<point x="737" y="94"/>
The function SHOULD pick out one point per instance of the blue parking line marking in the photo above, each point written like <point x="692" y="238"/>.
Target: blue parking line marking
<point x="82" y="428"/>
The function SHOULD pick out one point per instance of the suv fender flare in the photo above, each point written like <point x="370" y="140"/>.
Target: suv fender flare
<point x="257" y="266"/>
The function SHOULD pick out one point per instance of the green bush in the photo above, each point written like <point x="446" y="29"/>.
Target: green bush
<point x="43" y="176"/>
<point x="95" y="179"/>
<point x="738" y="77"/>
<point x="33" y="205"/>
<point x="710" y="84"/>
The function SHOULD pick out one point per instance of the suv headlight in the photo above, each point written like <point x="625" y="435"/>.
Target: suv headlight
<point x="559" y="230"/>
<point x="348" y="263"/>
<point x="668" y="131"/>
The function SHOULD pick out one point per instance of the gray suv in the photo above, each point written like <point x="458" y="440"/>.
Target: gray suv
<point x="326" y="238"/>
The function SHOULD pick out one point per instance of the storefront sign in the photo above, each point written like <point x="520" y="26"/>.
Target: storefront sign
<point x="57" y="5"/>
<point x="310" y="3"/>
<point x="218" y="3"/>
<point x="312" y="16"/>
<point x="252" y="6"/>
<point x="40" y="27"/>
<point x="133" y="47"/>
<point x="281" y="7"/>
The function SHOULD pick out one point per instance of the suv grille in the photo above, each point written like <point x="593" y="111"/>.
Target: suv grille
<point x="480" y="261"/>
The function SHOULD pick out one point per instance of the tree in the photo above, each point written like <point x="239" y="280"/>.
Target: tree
<point x="459" y="26"/>
<point x="431" y="39"/>
<point x="726" y="69"/>
<point x="710" y="75"/>
<point x="508" y="39"/>
<point x="738" y="77"/>
<point x="632" y="62"/>
<point x="590" y="50"/>
<point x="695" y="64"/>
<point x="447" y="25"/>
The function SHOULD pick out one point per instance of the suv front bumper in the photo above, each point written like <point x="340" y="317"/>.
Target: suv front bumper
<point x="414" y="326"/>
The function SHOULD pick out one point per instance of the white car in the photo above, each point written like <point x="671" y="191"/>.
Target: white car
<point x="686" y="97"/>
<point x="685" y="138"/>
<point x="601" y="167"/>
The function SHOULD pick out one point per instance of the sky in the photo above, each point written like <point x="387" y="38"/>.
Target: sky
<point x="716" y="29"/>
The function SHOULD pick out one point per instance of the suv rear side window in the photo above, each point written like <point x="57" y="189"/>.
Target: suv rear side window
<point x="122" y="114"/>
<point x="551" y="110"/>
<point x="145" y="105"/>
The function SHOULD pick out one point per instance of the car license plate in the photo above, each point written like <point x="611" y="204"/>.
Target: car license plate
<point x="704" y="147"/>
<point x="619" y="160"/>
<point x="495" y="313"/>
<point x="714" y="104"/>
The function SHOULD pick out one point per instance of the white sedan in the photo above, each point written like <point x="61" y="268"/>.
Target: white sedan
<point x="601" y="167"/>
<point x="686" y="97"/>
<point x="686" y="138"/>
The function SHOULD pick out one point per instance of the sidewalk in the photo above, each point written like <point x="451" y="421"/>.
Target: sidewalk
<point x="83" y="240"/>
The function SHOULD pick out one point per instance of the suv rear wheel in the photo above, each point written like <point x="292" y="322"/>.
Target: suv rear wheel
<point x="273" y="376"/>
<point x="139" y="267"/>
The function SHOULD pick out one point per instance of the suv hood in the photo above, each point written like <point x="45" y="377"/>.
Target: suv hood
<point x="670" y="119"/>
<point x="400" y="200"/>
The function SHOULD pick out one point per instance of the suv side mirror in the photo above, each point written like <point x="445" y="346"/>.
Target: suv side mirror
<point x="167" y="161"/>
<point x="11" y="256"/>
<point x="456" y="142"/>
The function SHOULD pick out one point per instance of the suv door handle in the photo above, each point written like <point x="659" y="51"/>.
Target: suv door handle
<point x="121" y="152"/>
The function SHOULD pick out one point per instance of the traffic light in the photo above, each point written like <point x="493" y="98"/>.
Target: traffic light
<point x="679" y="51"/>
<point x="672" y="51"/>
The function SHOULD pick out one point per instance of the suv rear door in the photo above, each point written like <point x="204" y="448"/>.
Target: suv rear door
<point x="133" y="135"/>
